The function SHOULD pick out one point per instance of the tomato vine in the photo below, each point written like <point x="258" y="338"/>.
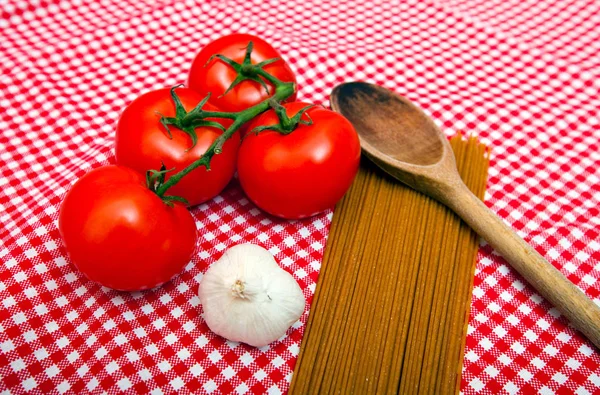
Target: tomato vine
<point x="188" y="121"/>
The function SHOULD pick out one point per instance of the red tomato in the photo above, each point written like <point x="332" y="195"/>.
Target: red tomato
<point x="142" y="143"/>
<point x="217" y="76"/>
<point x="302" y="173"/>
<point x="122" y="235"/>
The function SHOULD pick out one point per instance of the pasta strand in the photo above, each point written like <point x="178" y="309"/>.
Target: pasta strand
<point x="391" y="307"/>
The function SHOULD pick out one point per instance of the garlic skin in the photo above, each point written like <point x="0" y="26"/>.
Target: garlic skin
<point x="248" y="298"/>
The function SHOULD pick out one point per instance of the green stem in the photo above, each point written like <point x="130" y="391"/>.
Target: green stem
<point x="198" y="113"/>
<point x="272" y="79"/>
<point x="283" y="90"/>
<point x="287" y="124"/>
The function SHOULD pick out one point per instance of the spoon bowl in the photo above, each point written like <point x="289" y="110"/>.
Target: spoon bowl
<point x="390" y="136"/>
<point x="402" y="140"/>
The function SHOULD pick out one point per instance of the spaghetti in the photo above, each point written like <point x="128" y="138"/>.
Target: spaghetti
<point x="390" y="310"/>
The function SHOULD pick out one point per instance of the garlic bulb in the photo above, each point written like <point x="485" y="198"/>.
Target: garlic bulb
<point x="248" y="298"/>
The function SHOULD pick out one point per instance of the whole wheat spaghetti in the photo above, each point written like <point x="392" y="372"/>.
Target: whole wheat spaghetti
<point x="391" y="306"/>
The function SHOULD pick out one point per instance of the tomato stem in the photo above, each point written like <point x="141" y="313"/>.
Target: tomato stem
<point x="187" y="122"/>
<point x="283" y="90"/>
<point x="246" y="70"/>
<point x="286" y="124"/>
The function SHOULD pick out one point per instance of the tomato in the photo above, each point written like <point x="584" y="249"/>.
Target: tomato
<point x="216" y="76"/>
<point x="142" y="143"/>
<point x="121" y="234"/>
<point x="304" y="172"/>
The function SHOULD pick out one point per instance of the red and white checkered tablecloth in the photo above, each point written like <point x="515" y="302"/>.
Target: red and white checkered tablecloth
<point x="524" y="75"/>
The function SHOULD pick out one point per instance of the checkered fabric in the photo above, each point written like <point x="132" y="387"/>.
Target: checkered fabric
<point x="522" y="74"/>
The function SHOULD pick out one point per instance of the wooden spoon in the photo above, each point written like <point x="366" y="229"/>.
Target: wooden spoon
<point x="398" y="137"/>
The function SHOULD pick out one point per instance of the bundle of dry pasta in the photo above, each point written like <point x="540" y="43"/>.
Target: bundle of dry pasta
<point x="391" y="306"/>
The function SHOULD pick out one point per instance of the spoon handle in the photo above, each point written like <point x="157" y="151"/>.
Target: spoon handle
<point x="583" y="313"/>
